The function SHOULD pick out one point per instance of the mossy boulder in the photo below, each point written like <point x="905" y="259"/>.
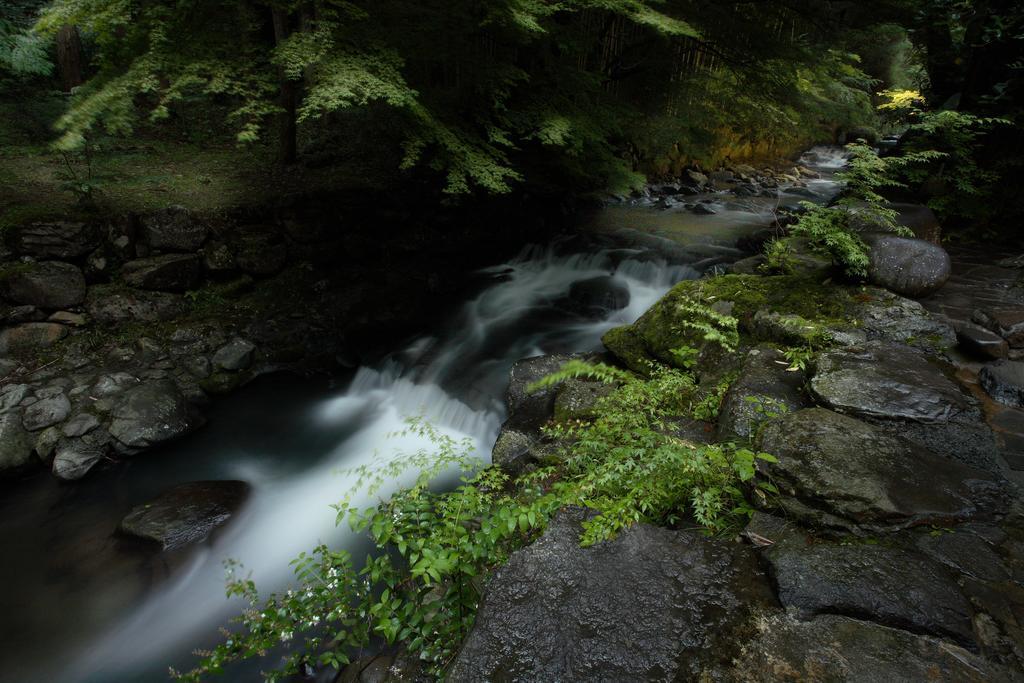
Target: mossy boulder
<point x="675" y="322"/>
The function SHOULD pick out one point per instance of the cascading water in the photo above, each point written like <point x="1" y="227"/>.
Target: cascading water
<point x="454" y="379"/>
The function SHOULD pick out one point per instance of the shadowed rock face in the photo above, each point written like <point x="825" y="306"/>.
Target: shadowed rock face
<point x="650" y="605"/>
<point x="1004" y="381"/>
<point x="837" y="472"/>
<point x="830" y="649"/>
<point x="50" y="285"/>
<point x="185" y="514"/>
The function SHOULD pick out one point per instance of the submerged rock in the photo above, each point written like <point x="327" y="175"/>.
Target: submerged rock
<point x="836" y="472"/>
<point x="907" y="266"/>
<point x="185" y="514"/>
<point x="598" y="296"/>
<point x="651" y="604"/>
<point x="832" y="648"/>
<point x="1004" y="381"/>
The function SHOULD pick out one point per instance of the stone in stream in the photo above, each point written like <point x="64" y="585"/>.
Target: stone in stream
<point x="170" y="272"/>
<point x="185" y="514"/>
<point x="899" y="389"/>
<point x="598" y="296"/>
<point x="907" y="266"/>
<point x="1008" y="323"/>
<point x="832" y="648"/>
<point x="836" y="472"/>
<point x="892" y="318"/>
<point x="764" y="390"/>
<point x="650" y="604"/>
<point x="1004" y="381"/>
<point x="981" y="342"/>
<point x="149" y="414"/>
<point x="74" y="459"/>
<point x="49" y="284"/>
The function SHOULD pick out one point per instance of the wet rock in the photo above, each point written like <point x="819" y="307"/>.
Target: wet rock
<point x="532" y="410"/>
<point x="907" y="266"/>
<point x="512" y="450"/>
<point x="50" y="284"/>
<point x="651" y="604"/>
<point x="786" y="328"/>
<point x="889" y="382"/>
<point x="235" y="355"/>
<point x="832" y="648"/>
<point x="170" y="272"/>
<point x="199" y="366"/>
<point x="151" y="413"/>
<point x="107" y="304"/>
<point x="836" y="472"/>
<point x="964" y="553"/>
<point x="703" y="210"/>
<point x="764" y="390"/>
<point x="185" y="514"/>
<point x="74" y="459"/>
<point x="173" y="229"/>
<point x="598" y="296"/>
<point x="392" y="666"/>
<point x="112" y="384"/>
<point x="16" y="444"/>
<point x="22" y="314"/>
<point x="889" y="317"/>
<point x="217" y="258"/>
<point x="57" y="240"/>
<point x="889" y="586"/>
<point x="576" y="399"/>
<point x="695" y="178"/>
<point x="982" y="343"/>
<point x="11" y="395"/>
<point x="80" y="424"/>
<point x="47" y="412"/>
<point x="1008" y="323"/>
<point x="1004" y="381"/>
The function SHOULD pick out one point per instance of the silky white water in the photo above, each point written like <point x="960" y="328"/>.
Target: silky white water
<point x="454" y="378"/>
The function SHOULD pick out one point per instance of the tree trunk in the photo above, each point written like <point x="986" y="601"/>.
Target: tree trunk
<point x="288" y="128"/>
<point x="69" y="57"/>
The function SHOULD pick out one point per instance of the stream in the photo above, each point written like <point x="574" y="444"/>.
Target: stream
<point x="81" y="605"/>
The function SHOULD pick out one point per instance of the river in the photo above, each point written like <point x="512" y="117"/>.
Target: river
<point x="80" y="605"/>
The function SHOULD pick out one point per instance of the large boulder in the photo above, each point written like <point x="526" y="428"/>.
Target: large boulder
<point x="900" y="389"/>
<point x="908" y="266"/>
<point x="170" y="272"/>
<point x="885" y="316"/>
<point x="149" y="414"/>
<point x="1004" y="381"/>
<point x="836" y="472"/>
<point x="30" y="337"/>
<point x="889" y="586"/>
<point x="107" y="305"/>
<point x="185" y="514"/>
<point x="651" y="604"/>
<point x="49" y="284"/>
<point x="833" y="648"/>
<point x="765" y="389"/>
<point x="57" y="240"/>
<point x="173" y="229"/>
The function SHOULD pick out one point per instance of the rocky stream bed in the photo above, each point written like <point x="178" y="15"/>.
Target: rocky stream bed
<point x="894" y="550"/>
